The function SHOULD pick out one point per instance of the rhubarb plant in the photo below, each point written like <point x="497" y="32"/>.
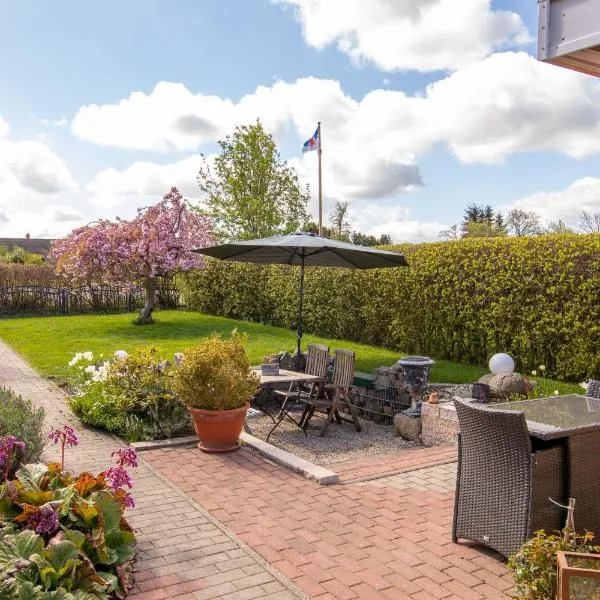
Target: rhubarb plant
<point x="66" y="536"/>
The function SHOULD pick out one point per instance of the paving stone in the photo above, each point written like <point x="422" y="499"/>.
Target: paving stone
<point x="173" y="533"/>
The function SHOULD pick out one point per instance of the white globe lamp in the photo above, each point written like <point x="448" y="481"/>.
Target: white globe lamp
<point x="501" y="363"/>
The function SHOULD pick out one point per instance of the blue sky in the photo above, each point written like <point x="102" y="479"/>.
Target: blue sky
<point x="462" y="114"/>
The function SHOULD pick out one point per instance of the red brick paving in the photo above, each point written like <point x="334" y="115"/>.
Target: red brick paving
<point x="381" y="465"/>
<point x="383" y="539"/>
<point x="182" y="553"/>
<point x="353" y="540"/>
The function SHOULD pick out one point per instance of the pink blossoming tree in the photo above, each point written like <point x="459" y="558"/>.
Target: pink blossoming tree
<point x="157" y="243"/>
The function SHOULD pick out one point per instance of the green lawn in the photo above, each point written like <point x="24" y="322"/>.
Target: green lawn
<point x="48" y="343"/>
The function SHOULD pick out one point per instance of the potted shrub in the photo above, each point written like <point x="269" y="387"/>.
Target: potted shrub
<point x="214" y="381"/>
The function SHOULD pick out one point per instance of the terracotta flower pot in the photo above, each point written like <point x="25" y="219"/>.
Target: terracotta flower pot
<point x="218" y="430"/>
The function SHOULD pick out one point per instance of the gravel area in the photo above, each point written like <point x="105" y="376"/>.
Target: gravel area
<point x="341" y="442"/>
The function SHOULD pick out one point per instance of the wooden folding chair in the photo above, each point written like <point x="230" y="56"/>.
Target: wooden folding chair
<point x="335" y="395"/>
<point x="317" y="363"/>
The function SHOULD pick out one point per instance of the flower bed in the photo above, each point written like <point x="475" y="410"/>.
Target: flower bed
<point x="63" y="536"/>
<point x="130" y="395"/>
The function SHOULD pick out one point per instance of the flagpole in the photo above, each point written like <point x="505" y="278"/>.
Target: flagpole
<point x="320" y="181"/>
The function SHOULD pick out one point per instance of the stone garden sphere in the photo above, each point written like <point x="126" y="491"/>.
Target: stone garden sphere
<point x="502" y="363"/>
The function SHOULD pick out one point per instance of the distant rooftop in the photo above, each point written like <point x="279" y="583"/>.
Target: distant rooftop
<point x="29" y="244"/>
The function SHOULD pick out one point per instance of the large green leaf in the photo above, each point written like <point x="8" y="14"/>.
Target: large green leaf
<point x="20" y="546"/>
<point x="109" y="508"/>
<point x="75" y="537"/>
<point x="66" y="495"/>
<point x="123" y="543"/>
<point x="31" y="475"/>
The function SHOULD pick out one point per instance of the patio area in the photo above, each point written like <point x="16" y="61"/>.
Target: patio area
<point x="236" y="526"/>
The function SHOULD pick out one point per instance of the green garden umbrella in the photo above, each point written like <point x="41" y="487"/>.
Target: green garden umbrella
<point x="305" y="249"/>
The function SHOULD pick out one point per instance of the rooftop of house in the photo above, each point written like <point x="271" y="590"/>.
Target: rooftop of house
<point x="29" y="244"/>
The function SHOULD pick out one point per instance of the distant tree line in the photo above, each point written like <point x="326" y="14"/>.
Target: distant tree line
<point x="483" y="221"/>
<point x="19" y="256"/>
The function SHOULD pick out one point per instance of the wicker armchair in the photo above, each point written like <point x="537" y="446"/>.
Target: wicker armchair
<point x="503" y="486"/>
<point x="593" y="390"/>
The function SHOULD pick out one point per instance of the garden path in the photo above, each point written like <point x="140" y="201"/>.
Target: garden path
<point x="183" y="551"/>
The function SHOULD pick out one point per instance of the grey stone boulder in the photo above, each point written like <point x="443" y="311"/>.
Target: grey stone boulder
<point x="408" y="427"/>
<point x="486" y="378"/>
<point x="504" y="384"/>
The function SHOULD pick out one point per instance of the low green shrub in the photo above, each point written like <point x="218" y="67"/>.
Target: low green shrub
<point x="132" y="397"/>
<point x="534" y="297"/>
<point x="215" y="374"/>
<point x="534" y="565"/>
<point x="22" y="420"/>
<point x="64" y="537"/>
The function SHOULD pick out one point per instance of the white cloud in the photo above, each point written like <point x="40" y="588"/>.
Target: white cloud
<point x="61" y="122"/>
<point x="144" y="182"/>
<point x="32" y="178"/>
<point x="170" y="118"/>
<point x="34" y="166"/>
<point x="62" y="213"/>
<point x="422" y="35"/>
<point x="377" y="218"/>
<point x="567" y="204"/>
<point x="504" y="104"/>
<point x="4" y="128"/>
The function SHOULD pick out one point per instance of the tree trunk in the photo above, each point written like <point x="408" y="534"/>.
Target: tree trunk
<point x="145" y="316"/>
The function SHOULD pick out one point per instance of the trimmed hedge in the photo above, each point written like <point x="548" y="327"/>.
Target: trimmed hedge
<point x="537" y="298"/>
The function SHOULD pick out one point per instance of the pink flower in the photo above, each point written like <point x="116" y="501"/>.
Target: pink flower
<point x="129" y="501"/>
<point x="67" y="436"/>
<point x="118" y="477"/>
<point x="126" y="457"/>
<point x="8" y="446"/>
<point x="44" y="520"/>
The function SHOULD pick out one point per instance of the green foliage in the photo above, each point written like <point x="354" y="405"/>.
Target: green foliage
<point x="534" y="565"/>
<point x="80" y="555"/>
<point x="250" y="192"/>
<point x="19" y="418"/>
<point x="215" y="375"/>
<point x="533" y="297"/>
<point x="136" y="399"/>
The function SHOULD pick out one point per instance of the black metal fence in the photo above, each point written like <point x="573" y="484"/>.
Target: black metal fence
<point x="34" y="299"/>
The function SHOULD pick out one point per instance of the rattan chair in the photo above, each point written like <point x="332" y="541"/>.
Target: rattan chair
<point x="317" y="362"/>
<point x="503" y="486"/>
<point x="593" y="390"/>
<point x="335" y="395"/>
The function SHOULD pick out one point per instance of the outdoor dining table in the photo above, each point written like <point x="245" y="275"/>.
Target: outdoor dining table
<point x="574" y="422"/>
<point x="270" y="382"/>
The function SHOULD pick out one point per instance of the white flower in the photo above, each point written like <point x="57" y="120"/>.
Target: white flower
<point x="121" y="354"/>
<point x="90" y="369"/>
<point x="542" y="368"/>
<point x="534" y="373"/>
<point x="556" y="392"/>
<point x="88" y="355"/>
<point x="584" y="385"/>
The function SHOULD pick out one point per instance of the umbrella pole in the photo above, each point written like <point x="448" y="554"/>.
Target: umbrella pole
<point x="300" y="307"/>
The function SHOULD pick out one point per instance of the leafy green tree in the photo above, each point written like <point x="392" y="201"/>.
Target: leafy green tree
<point x="250" y="191"/>
<point x="481" y="221"/>
<point x="364" y="239"/>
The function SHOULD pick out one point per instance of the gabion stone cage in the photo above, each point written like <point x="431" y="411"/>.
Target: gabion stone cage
<point x="380" y="396"/>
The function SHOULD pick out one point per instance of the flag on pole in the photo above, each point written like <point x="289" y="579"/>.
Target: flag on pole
<point x="313" y="143"/>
